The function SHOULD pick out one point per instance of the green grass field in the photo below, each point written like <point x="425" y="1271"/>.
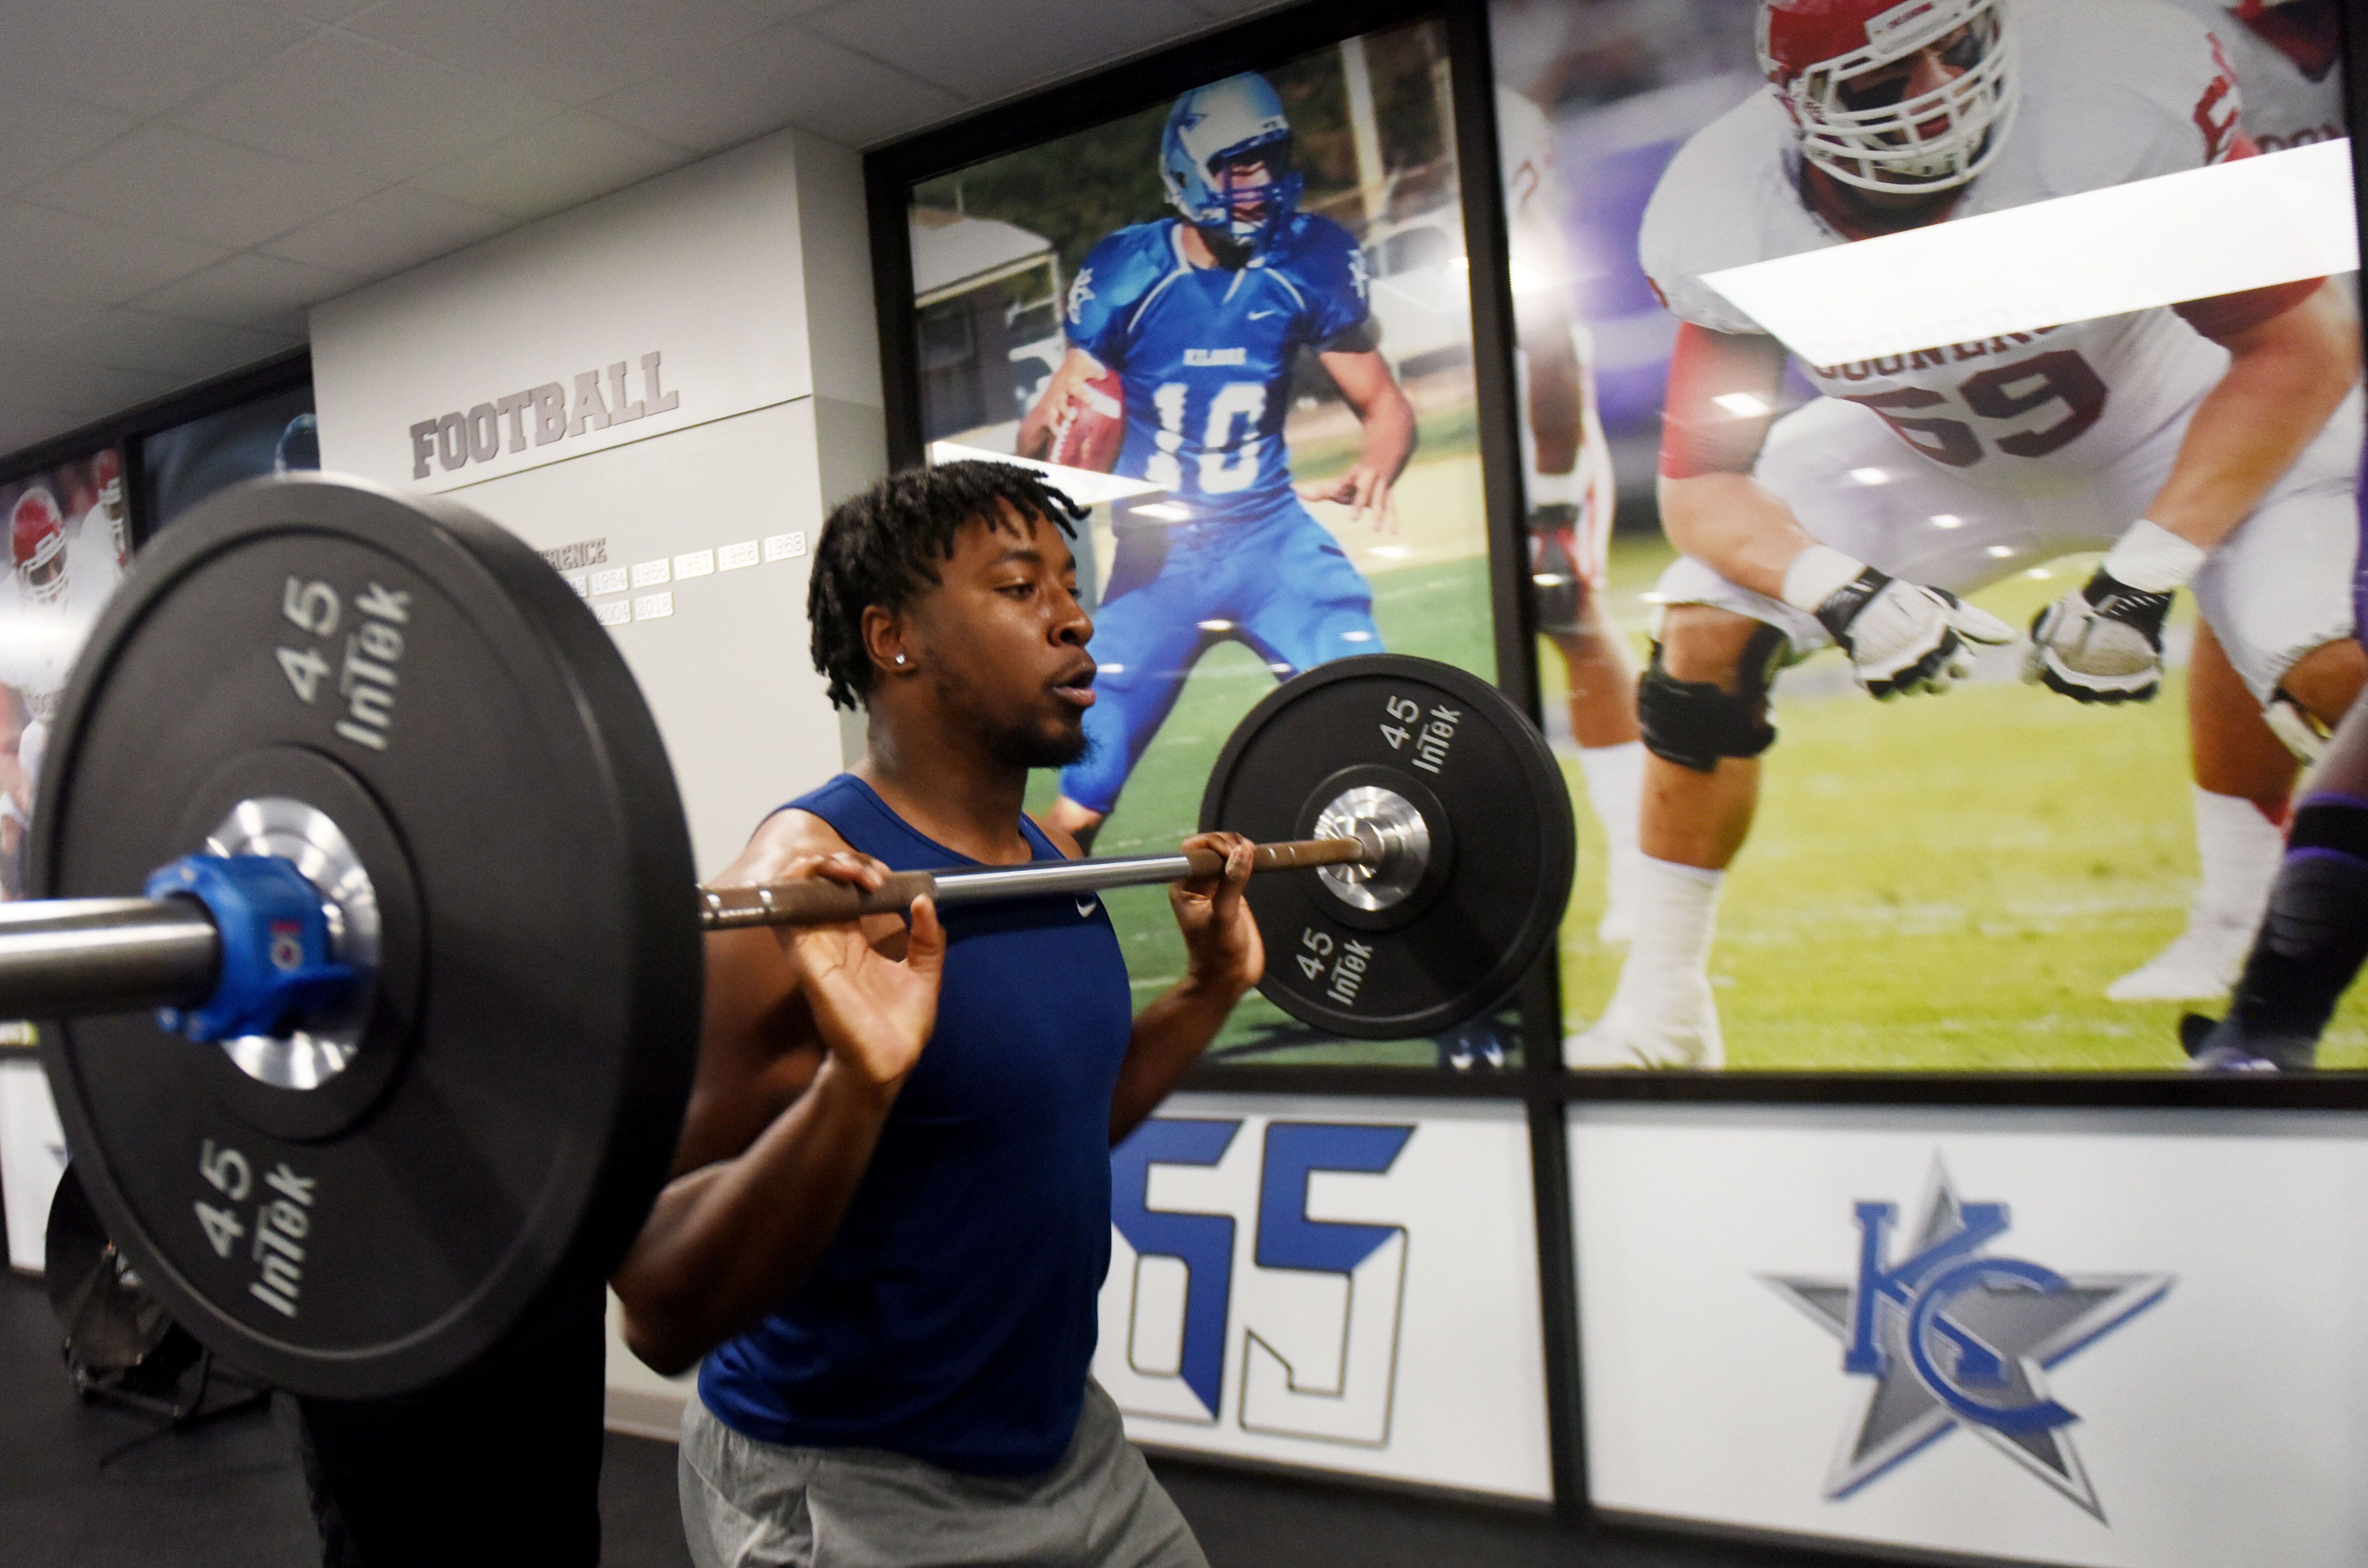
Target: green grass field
<point x="1937" y="884"/>
<point x="1941" y="884"/>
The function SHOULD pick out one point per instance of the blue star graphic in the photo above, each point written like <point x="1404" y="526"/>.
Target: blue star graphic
<point x="1975" y="1356"/>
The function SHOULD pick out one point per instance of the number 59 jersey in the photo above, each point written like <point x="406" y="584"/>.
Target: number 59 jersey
<point x="1204" y="355"/>
<point x="2111" y="91"/>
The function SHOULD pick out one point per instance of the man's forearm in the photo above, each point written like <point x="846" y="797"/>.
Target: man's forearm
<point x="725" y="1243"/>
<point x="2277" y="393"/>
<point x="1735" y="526"/>
<point x="1389" y="431"/>
<point x="1169" y="1036"/>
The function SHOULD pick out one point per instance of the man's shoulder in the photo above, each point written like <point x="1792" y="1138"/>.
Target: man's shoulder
<point x="1727" y="199"/>
<point x="1123" y="266"/>
<point x="2119" y="90"/>
<point x="798" y="829"/>
<point x="1320" y="257"/>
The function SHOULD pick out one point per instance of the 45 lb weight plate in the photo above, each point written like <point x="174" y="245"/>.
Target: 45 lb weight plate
<point x="407" y="701"/>
<point x="1440" y="765"/>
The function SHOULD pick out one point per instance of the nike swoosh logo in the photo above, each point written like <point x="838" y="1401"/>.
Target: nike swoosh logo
<point x="1086" y="906"/>
<point x="1261" y="315"/>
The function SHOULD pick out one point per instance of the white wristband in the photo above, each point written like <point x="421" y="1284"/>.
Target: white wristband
<point x="1554" y="489"/>
<point x="1816" y="574"/>
<point x="2152" y="559"/>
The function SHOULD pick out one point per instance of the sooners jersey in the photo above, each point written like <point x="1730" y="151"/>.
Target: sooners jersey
<point x="2109" y="91"/>
<point x="1205" y="354"/>
<point x="2289" y="60"/>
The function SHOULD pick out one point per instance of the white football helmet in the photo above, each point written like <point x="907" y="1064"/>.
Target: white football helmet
<point x="1840" y="67"/>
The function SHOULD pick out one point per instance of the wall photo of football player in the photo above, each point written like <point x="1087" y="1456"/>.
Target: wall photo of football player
<point x="2210" y="447"/>
<point x="68" y="544"/>
<point x="1244" y="312"/>
<point x="1192" y="324"/>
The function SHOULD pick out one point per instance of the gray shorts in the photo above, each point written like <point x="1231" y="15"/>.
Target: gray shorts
<point x="752" y="1504"/>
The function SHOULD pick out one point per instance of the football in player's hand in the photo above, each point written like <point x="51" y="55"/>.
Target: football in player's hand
<point x="1088" y="432"/>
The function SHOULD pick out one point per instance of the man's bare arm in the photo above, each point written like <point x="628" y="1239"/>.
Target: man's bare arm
<point x="1364" y="378"/>
<point x="795" y="1081"/>
<point x="2285" y="376"/>
<point x="1711" y="506"/>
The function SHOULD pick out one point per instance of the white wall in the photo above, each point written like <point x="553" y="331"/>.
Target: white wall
<point x="748" y="431"/>
<point x="748" y="276"/>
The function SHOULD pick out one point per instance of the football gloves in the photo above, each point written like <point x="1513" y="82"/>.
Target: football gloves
<point x="1901" y="637"/>
<point x="2100" y="644"/>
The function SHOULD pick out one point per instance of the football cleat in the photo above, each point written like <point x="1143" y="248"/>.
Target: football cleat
<point x="2201" y="963"/>
<point x="2221" y="1047"/>
<point x="2100" y="644"/>
<point x="1686" y="1037"/>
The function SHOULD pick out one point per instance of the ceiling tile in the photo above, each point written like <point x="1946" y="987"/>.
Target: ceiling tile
<point x="44" y="251"/>
<point x="558" y="163"/>
<point x="118" y="339"/>
<point x="139" y="56"/>
<point x="249" y="290"/>
<point x="986" y="51"/>
<point x="329" y="11"/>
<point x="27" y="318"/>
<point x="397" y="228"/>
<point x="783" y="76"/>
<point x="121" y="339"/>
<point x="782" y="9"/>
<point x="40" y="133"/>
<point x="357" y="105"/>
<point x="82" y="390"/>
<point x="572" y="50"/>
<point x="195" y="188"/>
<point x="22" y="423"/>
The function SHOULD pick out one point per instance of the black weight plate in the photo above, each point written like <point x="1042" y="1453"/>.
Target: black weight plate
<point x="515" y="1103"/>
<point x="1508" y="877"/>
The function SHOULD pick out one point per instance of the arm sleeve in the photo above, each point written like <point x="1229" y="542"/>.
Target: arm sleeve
<point x="1697" y="436"/>
<point x="1342" y="309"/>
<point x="1095" y="319"/>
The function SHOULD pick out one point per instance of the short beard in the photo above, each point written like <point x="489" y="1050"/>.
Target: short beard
<point x="1025" y="747"/>
<point x="1016" y="745"/>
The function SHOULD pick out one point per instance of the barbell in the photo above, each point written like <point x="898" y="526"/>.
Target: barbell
<point x="368" y="950"/>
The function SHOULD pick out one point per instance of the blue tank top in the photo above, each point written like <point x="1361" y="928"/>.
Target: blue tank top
<point x="953" y="1316"/>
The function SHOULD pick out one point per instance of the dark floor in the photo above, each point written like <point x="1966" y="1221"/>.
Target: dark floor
<point x="78" y="1488"/>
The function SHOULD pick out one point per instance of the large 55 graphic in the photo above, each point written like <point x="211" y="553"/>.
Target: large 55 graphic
<point x="1319" y="1300"/>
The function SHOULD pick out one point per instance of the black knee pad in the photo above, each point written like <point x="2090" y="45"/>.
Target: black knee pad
<point x="1693" y="723"/>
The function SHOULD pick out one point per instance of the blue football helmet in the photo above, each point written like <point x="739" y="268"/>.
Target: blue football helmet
<point x="1208" y="129"/>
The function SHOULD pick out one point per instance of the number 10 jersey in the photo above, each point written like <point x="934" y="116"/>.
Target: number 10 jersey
<point x="1204" y="355"/>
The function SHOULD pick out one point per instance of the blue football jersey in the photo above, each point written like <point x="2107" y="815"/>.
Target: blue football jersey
<point x="1204" y="354"/>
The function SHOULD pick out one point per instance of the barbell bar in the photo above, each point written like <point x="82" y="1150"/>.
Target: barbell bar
<point x="456" y="994"/>
<point x="64" y="958"/>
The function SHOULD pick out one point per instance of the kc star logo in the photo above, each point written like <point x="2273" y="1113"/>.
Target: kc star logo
<point x="1957" y="1335"/>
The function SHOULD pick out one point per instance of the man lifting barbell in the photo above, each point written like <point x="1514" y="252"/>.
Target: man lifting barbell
<point x="421" y="1064"/>
<point x="890" y="1256"/>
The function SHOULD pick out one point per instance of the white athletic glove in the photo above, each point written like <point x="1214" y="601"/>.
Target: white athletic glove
<point x="1901" y="637"/>
<point x="2102" y="643"/>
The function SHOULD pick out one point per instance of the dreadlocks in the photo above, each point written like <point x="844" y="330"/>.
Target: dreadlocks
<point x="882" y="548"/>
